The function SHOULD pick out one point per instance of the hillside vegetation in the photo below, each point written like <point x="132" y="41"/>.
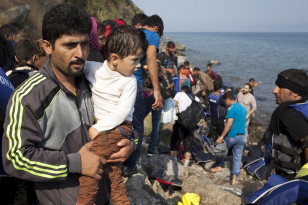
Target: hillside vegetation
<point x="101" y="9"/>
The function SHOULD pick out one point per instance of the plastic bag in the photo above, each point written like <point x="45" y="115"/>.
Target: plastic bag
<point x="168" y="114"/>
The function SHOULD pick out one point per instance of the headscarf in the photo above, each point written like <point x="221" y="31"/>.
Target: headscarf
<point x="94" y="44"/>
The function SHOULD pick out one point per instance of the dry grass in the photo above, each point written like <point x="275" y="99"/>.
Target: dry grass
<point x="5" y="4"/>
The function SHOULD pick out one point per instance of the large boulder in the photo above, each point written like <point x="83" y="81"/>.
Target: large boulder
<point x="196" y="181"/>
<point x="16" y="15"/>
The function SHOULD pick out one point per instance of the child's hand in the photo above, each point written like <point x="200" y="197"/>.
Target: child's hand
<point x="93" y="133"/>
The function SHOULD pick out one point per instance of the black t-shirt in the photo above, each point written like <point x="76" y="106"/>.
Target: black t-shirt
<point x="166" y="61"/>
<point x="293" y="124"/>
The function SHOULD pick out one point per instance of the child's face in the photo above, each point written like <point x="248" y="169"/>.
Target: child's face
<point x="129" y="64"/>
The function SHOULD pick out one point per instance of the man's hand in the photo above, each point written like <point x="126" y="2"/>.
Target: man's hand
<point x="247" y="116"/>
<point x="158" y="100"/>
<point x="91" y="164"/>
<point x="219" y="140"/>
<point x="126" y="149"/>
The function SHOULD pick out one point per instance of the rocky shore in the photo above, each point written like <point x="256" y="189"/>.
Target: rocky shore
<point x="213" y="188"/>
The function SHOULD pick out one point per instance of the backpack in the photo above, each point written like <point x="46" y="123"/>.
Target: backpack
<point x="257" y="168"/>
<point x="218" y="150"/>
<point x="189" y="118"/>
<point x="165" y="81"/>
<point x="278" y="190"/>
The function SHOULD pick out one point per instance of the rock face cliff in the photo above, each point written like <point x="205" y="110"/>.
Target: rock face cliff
<point x="27" y="15"/>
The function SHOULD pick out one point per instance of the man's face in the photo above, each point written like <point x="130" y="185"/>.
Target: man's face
<point x="129" y="64"/>
<point x="170" y="49"/>
<point x="283" y="95"/>
<point x="69" y="53"/>
<point x="246" y="89"/>
<point x="208" y="68"/>
<point x="228" y="102"/>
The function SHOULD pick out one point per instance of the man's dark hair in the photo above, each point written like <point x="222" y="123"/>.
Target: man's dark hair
<point x="25" y="50"/>
<point x="228" y="95"/>
<point x="186" y="63"/>
<point x="209" y="64"/>
<point x="8" y="30"/>
<point x="217" y="85"/>
<point x="65" y="19"/>
<point x="297" y="76"/>
<point x="139" y="18"/>
<point x="171" y="44"/>
<point x="196" y="69"/>
<point x="251" y="79"/>
<point x="125" y="40"/>
<point x="250" y="87"/>
<point x="4" y="51"/>
<point x="155" y="20"/>
<point x="185" y="89"/>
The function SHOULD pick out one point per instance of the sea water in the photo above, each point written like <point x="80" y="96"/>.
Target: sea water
<point x="248" y="55"/>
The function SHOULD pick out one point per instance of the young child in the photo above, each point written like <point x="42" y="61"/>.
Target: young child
<point x="114" y="91"/>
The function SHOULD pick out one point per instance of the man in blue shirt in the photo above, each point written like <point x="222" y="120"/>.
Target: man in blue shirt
<point x="153" y="28"/>
<point x="233" y="134"/>
<point x="7" y="184"/>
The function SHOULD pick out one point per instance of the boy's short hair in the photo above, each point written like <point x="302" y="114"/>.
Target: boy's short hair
<point x="185" y="88"/>
<point x="251" y="79"/>
<point x="209" y="64"/>
<point x="217" y="85"/>
<point x="196" y="69"/>
<point x="25" y="50"/>
<point x="65" y="19"/>
<point x="155" y="20"/>
<point x="8" y="30"/>
<point x="186" y="63"/>
<point x="228" y="95"/>
<point x="125" y="40"/>
<point x="171" y="44"/>
<point x="139" y="18"/>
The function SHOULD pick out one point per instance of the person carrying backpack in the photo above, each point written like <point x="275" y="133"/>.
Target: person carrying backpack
<point x="26" y="51"/>
<point x="182" y="100"/>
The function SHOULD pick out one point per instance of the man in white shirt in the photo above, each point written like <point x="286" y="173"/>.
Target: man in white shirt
<point x="246" y="99"/>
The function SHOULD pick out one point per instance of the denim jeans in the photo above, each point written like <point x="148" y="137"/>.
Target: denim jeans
<point x="237" y="145"/>
<point x="156" y="114"/>
<point x="138" y="125"/>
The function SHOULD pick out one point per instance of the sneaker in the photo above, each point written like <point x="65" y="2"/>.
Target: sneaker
<point x="129" y="171"/>
<point x="151" y="154"/>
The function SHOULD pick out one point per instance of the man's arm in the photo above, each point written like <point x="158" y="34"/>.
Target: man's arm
<point x="153" y="72"/>
<point x="253" y="105"/>
<point x="250" y="113"/>
<point x="225" y="130"/>
<point x="24" y="158"/>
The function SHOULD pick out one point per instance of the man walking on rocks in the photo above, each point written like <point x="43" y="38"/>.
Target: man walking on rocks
<point x="233" y="134"/>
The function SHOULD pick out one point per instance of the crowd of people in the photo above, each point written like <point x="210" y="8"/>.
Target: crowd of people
<point x="73" y="106"/>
